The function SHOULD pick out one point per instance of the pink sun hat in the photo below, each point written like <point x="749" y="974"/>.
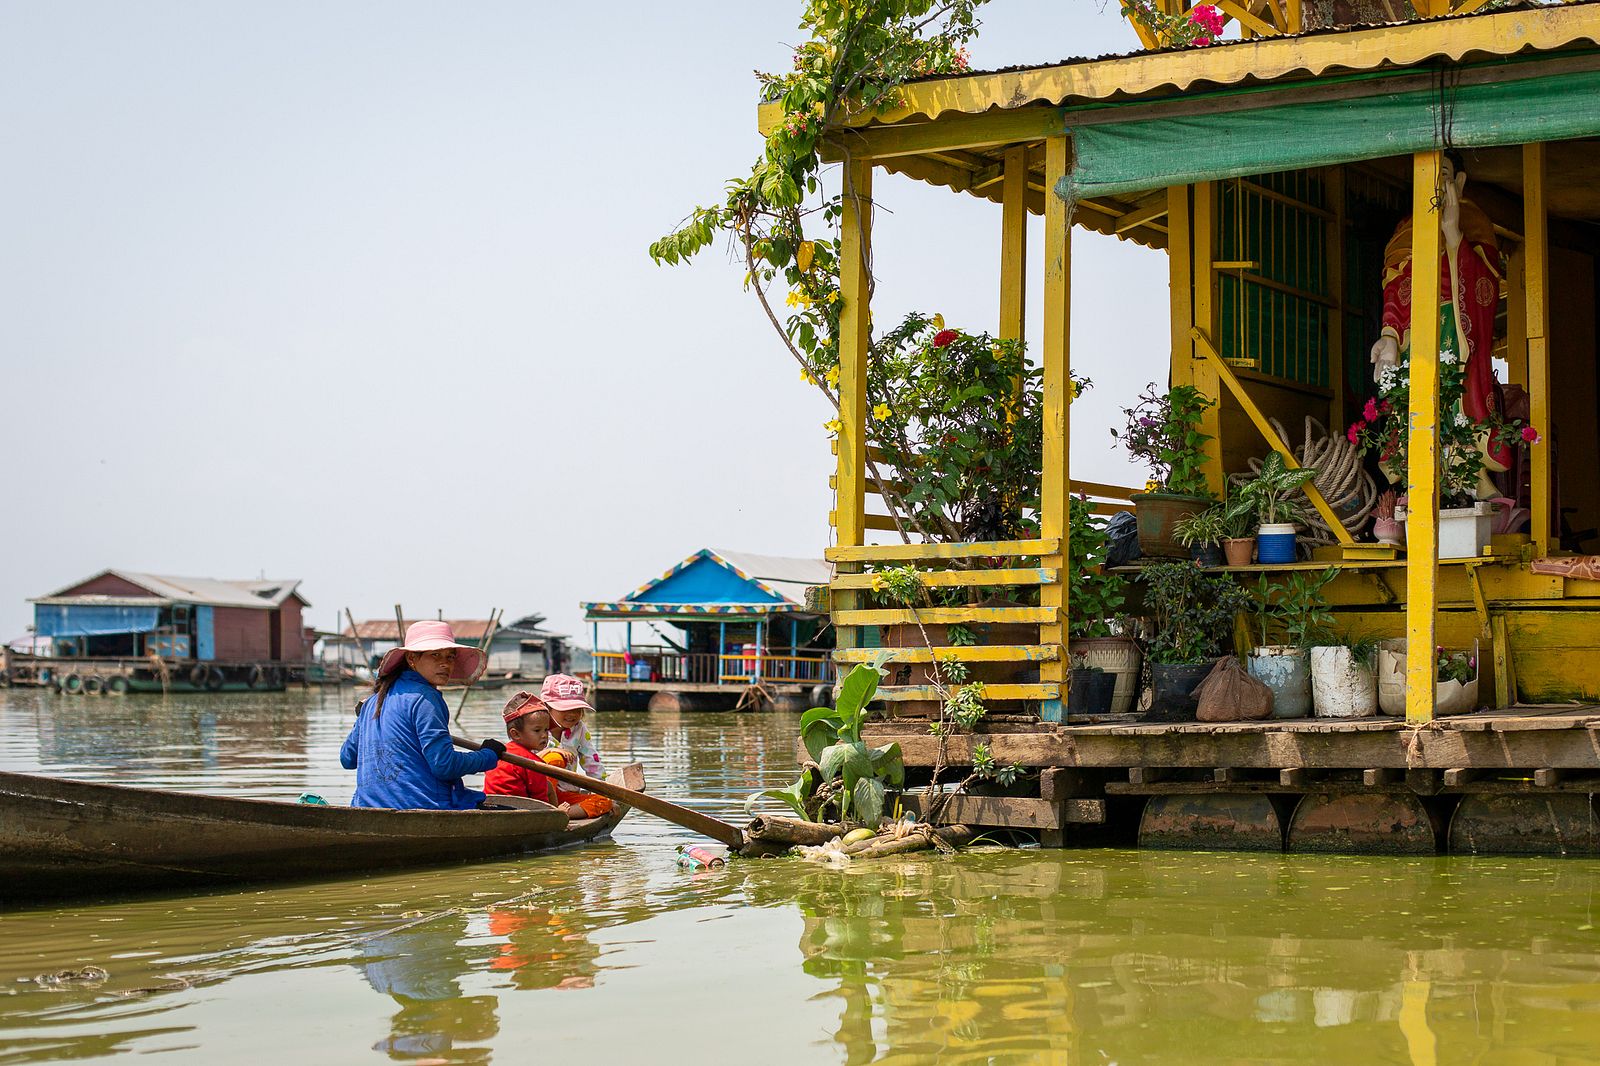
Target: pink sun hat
<point x="563" y="692"/>
<point x="431" y="636"/>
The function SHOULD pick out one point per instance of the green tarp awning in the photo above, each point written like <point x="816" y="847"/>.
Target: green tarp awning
<point x="1154" y="153"/>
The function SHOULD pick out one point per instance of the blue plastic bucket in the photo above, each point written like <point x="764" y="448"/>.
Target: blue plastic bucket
<point x="1275" y="543"/>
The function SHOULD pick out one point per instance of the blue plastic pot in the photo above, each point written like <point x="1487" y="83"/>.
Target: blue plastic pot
<point x="1275" y="543"/>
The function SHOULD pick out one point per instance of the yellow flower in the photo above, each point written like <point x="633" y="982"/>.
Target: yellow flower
<point x="833" y="425"/>
<point x="832" y="296"/>
<point x="881" y="412"/>
<point x="805" y="376"/>
<point x="877" y="583"/>
<point x="938" y="322"/>
<point x="798" y="299"/>
<point x="1152" y="486"/>
<point x="804" y="254"/>
<point x="1073" y="389"/>
<point x="832" y="377"/>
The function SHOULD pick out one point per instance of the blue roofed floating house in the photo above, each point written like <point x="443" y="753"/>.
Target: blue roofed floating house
<point x="718" y="630"/>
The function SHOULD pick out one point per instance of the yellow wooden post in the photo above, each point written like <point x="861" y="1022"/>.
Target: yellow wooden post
<point x="1202" y="374"/>
<point x="1014" y="244"/>
<point x="1516" y="318"/>
<point x="1056" y="362"/>
<point x="1536" y="289"/>
<point x="1180" y="280"/>
<point x="855" y="285"/>
<point x="1422" y="467"/>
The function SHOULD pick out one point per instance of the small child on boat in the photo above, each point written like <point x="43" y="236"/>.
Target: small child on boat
<point x="563" y="695"/>
<point x="528" y="729"/>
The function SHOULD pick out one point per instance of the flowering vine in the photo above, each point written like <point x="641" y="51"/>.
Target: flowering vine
<point x="1199" y="26"/>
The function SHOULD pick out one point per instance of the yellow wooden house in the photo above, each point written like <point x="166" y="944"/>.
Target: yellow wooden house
<point x="1257" y="164"/>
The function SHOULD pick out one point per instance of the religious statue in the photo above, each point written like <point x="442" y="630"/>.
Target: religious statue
<point x="1469" y="294"/>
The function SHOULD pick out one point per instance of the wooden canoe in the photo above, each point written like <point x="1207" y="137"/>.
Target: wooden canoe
<point x="61" y="838"/>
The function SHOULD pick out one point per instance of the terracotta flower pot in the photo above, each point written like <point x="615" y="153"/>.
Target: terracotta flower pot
<point x="1239" y="550"/>
<point x="1158" y="513"/>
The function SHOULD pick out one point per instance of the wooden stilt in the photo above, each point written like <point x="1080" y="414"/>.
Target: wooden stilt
<point x="1057" y="363"/>
<point x="855" y="284"/>
<point x="1536" y="264"/>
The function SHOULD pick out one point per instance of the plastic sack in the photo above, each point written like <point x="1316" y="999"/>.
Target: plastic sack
<point x="1229" y="694"/>
<point x="1122" y="532"/>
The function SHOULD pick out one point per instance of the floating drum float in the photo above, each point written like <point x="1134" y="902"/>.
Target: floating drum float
<point x="1383" y="823"/>
<point x="1211" y="820"/>
<point x="1560" y="823"/>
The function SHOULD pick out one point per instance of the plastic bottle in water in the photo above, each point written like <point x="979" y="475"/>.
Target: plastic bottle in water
<point x="694" y="857"/>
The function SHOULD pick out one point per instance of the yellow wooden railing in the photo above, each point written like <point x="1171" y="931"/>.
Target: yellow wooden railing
<point x="933" y="562"/>
<point x="1275" y="18"/>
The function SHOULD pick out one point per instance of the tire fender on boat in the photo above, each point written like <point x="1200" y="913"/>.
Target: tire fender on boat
<point x="214" y="679"/>
<point x="117" y="686"/>
<point x="257" y="678"/>
<point x="94" y="685"/>
<point x="197" y="675"/>
<point x="71" y="683"/>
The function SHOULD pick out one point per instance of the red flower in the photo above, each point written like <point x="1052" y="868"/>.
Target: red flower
<point x="1354" y="431"/>
<point x="1202" y="41"/>
<point x="1208" y="18"/>
<point x="944" y="337"/>
<point x="1530" y="435"/>
<point x="1370" y="411"/>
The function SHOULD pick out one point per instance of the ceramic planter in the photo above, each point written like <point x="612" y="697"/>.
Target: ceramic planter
<point x="1275" y="542"/>
<point x="1117" y="656"/>
<point x="1174" y="685"/>
<point x="1158" y="513"/>
<point x="1091" y="692"/>
<point x="1287" y="672"/>
<point x="1239" y="550"/>
<point x="1342" y="687"/>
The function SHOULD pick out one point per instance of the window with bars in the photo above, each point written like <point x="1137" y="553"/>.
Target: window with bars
<point x="1275" y="296"/>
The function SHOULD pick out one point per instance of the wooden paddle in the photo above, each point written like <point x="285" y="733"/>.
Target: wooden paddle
<point x="700" y="823"/>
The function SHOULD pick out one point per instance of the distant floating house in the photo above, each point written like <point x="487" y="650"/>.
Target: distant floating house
<point x="121" y="630"/>
<point x="518" y="650"/>
<point x="743" y="634"/>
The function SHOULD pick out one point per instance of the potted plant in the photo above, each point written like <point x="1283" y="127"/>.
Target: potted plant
<point x="1218" y="536"/>
<point x="1466" y="507"/>
<point x="1192" y="614"/>
<point x="1091" y="688"/>
<point x="1272" y="496"/>
<point x="1456" y="673"/>
<point x="1163" y="433"/>
<point x="1386" y="527"/>
<point x="1095" y="600"/>
<point x="1291" y="615"/>
<point x="1343" y="681"/>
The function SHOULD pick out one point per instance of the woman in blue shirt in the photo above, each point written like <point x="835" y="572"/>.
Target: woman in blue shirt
<point x="400" y="746"/>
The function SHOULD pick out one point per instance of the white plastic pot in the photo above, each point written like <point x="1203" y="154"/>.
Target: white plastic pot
<point x="1450" y="697"/>
<point x="1341" y="686"/>
<point x="1463" y="531"/>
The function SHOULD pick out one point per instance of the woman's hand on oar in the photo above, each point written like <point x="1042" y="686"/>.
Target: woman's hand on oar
<point x="704" y="824"/>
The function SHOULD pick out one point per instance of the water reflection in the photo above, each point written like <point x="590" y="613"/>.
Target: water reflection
<point x="418" y="965"/>
<point x="991" y="957"/>
<point x="1096" y="956"/>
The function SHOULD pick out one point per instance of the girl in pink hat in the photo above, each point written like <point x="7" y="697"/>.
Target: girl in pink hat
<point x="400" y="746"/>
<point x="564" y="695"/>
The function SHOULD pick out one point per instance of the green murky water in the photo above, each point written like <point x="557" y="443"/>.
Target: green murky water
<point x="1075" y="957"/>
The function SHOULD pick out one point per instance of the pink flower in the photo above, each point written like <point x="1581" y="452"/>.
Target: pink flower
<point x="1530" y="435"/>
<point x="1202" y="41"/>
<point x="1370" y="411"/>
<point x="1354" y="431"/>
<point x="944" y="337"/>
<point x="1208" y="18"/>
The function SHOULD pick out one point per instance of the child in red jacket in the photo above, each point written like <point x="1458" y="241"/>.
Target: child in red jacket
<point x="528" y="728"/>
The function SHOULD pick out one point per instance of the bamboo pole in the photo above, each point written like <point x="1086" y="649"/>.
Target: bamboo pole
<point x="1057" y="364"/>
<point x="1422" y="468"/>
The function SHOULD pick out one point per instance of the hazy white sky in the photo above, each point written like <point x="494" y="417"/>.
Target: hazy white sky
<point x="358" y="293"/>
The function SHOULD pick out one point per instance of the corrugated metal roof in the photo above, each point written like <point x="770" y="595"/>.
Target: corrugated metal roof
<point x="1254" y="61"/>
<point x="786" y="576"/>
<point x="261" y="595"/>
<point x="467" y="630"/>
